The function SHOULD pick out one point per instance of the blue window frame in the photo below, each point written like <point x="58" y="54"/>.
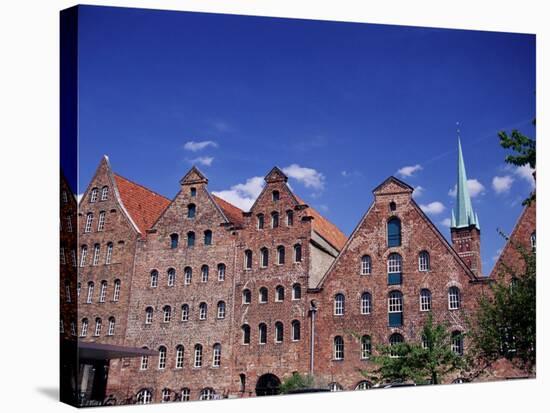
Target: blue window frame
<point x="394" y="232"/>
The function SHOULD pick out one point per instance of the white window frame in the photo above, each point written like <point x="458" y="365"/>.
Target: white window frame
<point x="166" y="314"/>
<point x="533" y="240"/>
<point x="454" y="299"/>
<point x="101" y="221"/>
<point x="171" y="277"/>
<point x="221" y="310"/>
<point x="296" y="248"/>
<point x="84" y="328"/>
<point x="185" y="394"/>
<point x="69" y="223"/>
<point x="366" y="265"/>
<point x="339" y="304"/>
<point x="187" y="275"/>
<point x="104" y="193"/>
<point x="83" y="255"/>
<point x="247" y="296"/>
<point x="203" y="311"/>
<point x="206" y="394"/>
<point x="289" y="218"/>
<point x="109" y="254"/>
<point x="144" y="365"/>
<point x="103" y="291"/>
<point x="162" y="358"/>
<point x="248" y="260"/>
<point x="338" y="348"/>
<point x="216" y="355"/>
<point x="144" y="396"/>
<point x="64" y="197"/>
<point x="93" y="196"/>
<point x="264" y="257"/>
<point x="90" y="296"/>
<point x="116" y="291"/>
<point x="366" y="303"/>
<point x="279" y="330"/>
<point x="279" y="293"/>
<point x="457" y="343"/>
<point x="97" y="329"/>
<point x="260" y="221"/>
<point x="261" y="298"/>
<point x="204" y="273"/>
<point x="281" y="255"/>
<point x="111" y="329"/>
<point x="274" y="220"/>
<point x="165" y="395"/>
<point x="197" y="362"/>
<point x="423" y="261"/>
<point x="366" y="347"/>
<point x="185" y="312"/>
<point x="221" y="272"/>
<point x="262" y="333"/>
<point x="394" y="342"/>
<point x="296" y="327"/>
<point x="72" y="325"/>
<point x="89" y="222"/>
<point x="425" y="300"/>
<point x="245" y="329"/>
<point x="179" y="356"/>
<point x="395" y="263"/>
<point x="97" y="251"/>
<point x="149" y="315"/>
<point x="154" y="280"/>
<point x="296" y="287"/>
<point x="395" y="302"/>
<point x="73" y="257"/>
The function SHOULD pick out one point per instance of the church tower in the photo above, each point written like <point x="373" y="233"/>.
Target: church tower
<point x="465" y="231"/>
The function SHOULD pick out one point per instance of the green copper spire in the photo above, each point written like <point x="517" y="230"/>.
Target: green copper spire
<point x="463" y="214"/>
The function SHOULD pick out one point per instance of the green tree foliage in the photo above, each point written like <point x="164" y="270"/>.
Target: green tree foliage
<point x="296" y="382"/>
<point x="505" y="323"/>
<point x="525" y="152"/>
<point x="416" y="362"/>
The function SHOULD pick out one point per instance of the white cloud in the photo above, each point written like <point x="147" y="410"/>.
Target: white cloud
<point x="446" y="222"/>
<point x="502" y="184"/>
<point x="243" y="195"/>
<point x="434" y="208"/>
<point x="475" y="188"/>
<point x="525" y="172"/>
<point x="307" y="176"/>
<point x="203" y="160"/>
<point x="409" y="170"/>
<point x="418" y="191"/>
<point x="323" y="207"/>
<point x="197" y="146"/>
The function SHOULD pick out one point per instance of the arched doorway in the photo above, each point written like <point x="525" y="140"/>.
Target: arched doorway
<point x="268" y="385"/>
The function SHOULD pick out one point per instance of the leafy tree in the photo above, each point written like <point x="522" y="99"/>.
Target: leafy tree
<point x="526" y="152"/>
<point x="505" y="323"/>
<point x="416" y="362"/>
<point x="295" y="382"/>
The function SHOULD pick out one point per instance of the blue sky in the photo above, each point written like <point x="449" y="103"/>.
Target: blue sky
<point x="339" y="106"/>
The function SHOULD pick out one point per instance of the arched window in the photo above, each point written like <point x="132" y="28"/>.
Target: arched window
<point x="263" y="295"/>
<point x="338" y="348"/>
<point x="185" y="394"/>
<point x="363" y="385"/>
<point x="365" y="265"/>
<point x="395" y="340"/>
<point x="185" y="312"/>
<point x="102" y="291"/>
<point x="83" y="255"/>
<point x="221" y="272"/>
<point x="246" y="333"/>
<point x="394" y="232"/>
<point x="425" y="300"/>
<point x="204" y="273"/>
<point x="144" y="396"/>
<point x="207" y="237"/>
<point x="95" y="259"/>
<point x="221" y="309"/>
<point x="84" y="328"/>
<point x="116" y="292"/>
<point x="274" y="219"/>
<point x="111" y="329"/>
<point x="174" y="241"/>
<point x="366" y="303"/>
<point x="73" y="327"/>
<point x="335" y="387"/>
<point x="104" y="193"/>
<point x="247" y="296"/>
<point x="248" y="259"/>
<point x="148" y="315"/>
<point x="279" y="332"/>
<point x="190" y="239"/>
<point x="67" y="291"/>
<point x="97" y="330"/>
<point x="191" y="211"/>
<point x="395" y="308"/>
<point x="457" y="343"/>
<point x="207" y="394"/>
<point x="179" y="356"/>
<point x="454" y="298"/>
<point x="264" y="257"/>
<point x="339" y="303"/>
<point x="279" y="293"/>
<point x="366" y="347"/>
<point x="260" y="220"/>
<point x="154" y="278"/>
<point x="165" y="395"/>
<point x="216" y="355"/>
<point x="424" y="261"/>
<point x="262" y="333"/>
<point x="198" y="356"/>
<point x="275" y="196"/>
<point x="298" y="253"/>
<point x="295" y="330"/>
<point x="162" y="357"/>
<point x="109" y="255"/>
<point x="167" y="312"/>
<point x="533" y="241"/>
<point x="296" y="291"/>
<point x="101" y="221"/>
<point x="395" y="266"/>
<point x="393" y="206"/>
<point x="187" y="275"/>
<point x="280" y="255"/>
<point x="93" y="195"/>
<point x="203" y="308"/>
<point x="144" y="361"/>
<point x="90" y="292"/>
<point x="171" y="277"/>
<point x="89" y="222"/>
<point x="78" y="286"/>
<point x="289" y="218"/>
<point x="193" y="192"/>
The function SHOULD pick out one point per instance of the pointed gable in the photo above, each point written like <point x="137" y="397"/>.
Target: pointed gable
<point x="392" y="186"/>
<point x="276" y="175"/>
<point x="193" y="177"/>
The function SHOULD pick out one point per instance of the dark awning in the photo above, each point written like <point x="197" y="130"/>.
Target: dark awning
<point x="97" y="351"/>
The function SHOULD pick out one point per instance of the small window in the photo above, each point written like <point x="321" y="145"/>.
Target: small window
<point x="279" y="332"/>
<point x="185" y="394"/>
<point x="425" y="300"/>
<point x="109" y="255"/>
<point x="162" y="357"/>
<point x="279" y="293"/>
<point x="111" y="329"/>
<point x="289" y="218"/>
<point x="247" y="296"/>
<point x="221" y="272"/>
<point x="365" y="265"/>
<point x="203" y="308"/>
<point x="193" y="192"/>
<point x="297" y="253"/>
<point x="221" y="309"/>
<point x="339" y="302"/>
<point x="144" y="397"/>
<point x="78" y="286"/>
<point x="73" y="327"/>
<point x="95" y="259"/>
<point x="174" y="241"/>
<point x="264" y="257"/>
<point x="366" y="303"/>
<point x="89" y="222"/>
<point x="366" y="347"/>
<point x="245" y="328"/>
<point x="296" y="291"/>
<point x="191" y="211"/>
<point x="64" y="197"/>
<point x="207" y="394"/>
<point x="104" y="193"/>
<point x="295" y="330"/>
<point x="248" y="259"/>
<point x="274" y="220"/>
<point x="395" y="309"/>
<point x="167" y="312"/>
<point x="190" y="239"/>
<point x="165" y="395"/>
<point x="262" y="336"/>
<point x="533" y="241"/>
<point x="116" y="291"/>
<point x="144" y="361"/>
<point x="275" y="196"/>
<point x="393" y="206"/>
<point x="363" y="385"/>
<point x="263" y="295"/>
<point x="84" y="328"/>
<point x="73" y="258"/>
<point x="260" y="221"/>
<point x="394" y="232"/>
<point x="396" y="340"/>
<point x="424" y="261"/>
<point x="188" y="275"/>
<point x="179" y="356"/>
<point x="198" y="356"/>
<point x="101" y="221"/>
<point x="171" y="278"/>
<point x="280" y="255"/>
<point x="204" y="273"/>
<point x="97" y="330"/>
<point x="454" y="298"/>
<point x="457" y="343"/>
<point x="207" y="237"/>
<point x="103" y="291"/>
<point x="67" y="291"/>
<point x="395" y="263"/>
<point x="154" y="279"/>
<point x="216" y="355"/>
<point x="148" y="315"/>
<point x="338" y="348"/>
<point x="90" y="292"/>
<point x="335" y="387"/>
<point x="185" y="312"/>
<point x="69" y="223"/>
<point x="93" y="195"/>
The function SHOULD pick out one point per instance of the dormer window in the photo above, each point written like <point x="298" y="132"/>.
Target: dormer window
<point x="275" y="196"/>
<point x="193" y="192"/>
<point x="191" y="210"/>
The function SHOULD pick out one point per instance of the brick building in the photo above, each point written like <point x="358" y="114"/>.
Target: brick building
<point x="229" y="303"/>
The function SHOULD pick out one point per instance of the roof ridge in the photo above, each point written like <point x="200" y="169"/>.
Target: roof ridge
<point x="141" y="186"/>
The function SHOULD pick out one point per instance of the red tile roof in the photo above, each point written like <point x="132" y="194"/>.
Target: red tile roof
<point x="233" y="214"/>
<point x="143" y="205"/>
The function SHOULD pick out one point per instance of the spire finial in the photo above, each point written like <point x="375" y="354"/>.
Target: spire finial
<point x="458" y="130"/>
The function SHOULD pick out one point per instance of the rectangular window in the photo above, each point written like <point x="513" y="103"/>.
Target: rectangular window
<point x="116" y="294"/>
<point x="109" y="255"/>
<point x="96" y="255"/>
<point x="73" y="257"/>
<point x="144" y="363"/>
<point x="69" y="223"/>
<point x="395" y="319"/>
<point x="103" y="292"/>
<point x="101" y="221"/>
<point x="89" y="221"/>
<point x="90" y="293"/>
<point x="83" y="254"/>
<point x="62" y="256"/>
<point x="68" y="292"/>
